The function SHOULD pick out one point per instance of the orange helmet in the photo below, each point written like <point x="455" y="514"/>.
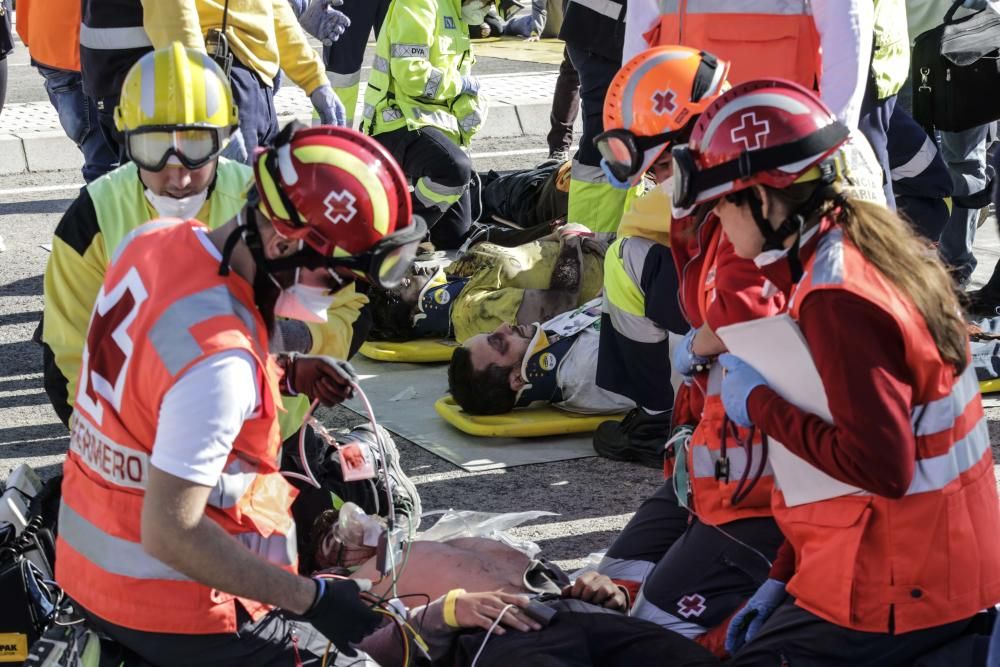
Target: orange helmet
<point x="652" y="102"/>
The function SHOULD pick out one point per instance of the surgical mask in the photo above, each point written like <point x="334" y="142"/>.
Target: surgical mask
<point x="474" y="13"/>
<point x="184" y="208"/>
<point x="303" y="302"/>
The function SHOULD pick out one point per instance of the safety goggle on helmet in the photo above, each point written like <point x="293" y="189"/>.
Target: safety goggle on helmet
<point x="770" y="132"/>
<point x="176" y="107"/>
<point x="651" y="102"/>
<point x="341" y="194"/>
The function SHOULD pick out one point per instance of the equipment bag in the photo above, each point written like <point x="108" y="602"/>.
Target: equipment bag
<point x="956" y="72"/>
<point x="28" y="602"/>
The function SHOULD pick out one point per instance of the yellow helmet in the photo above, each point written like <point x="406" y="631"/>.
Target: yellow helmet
<point x="176" y="104"/>
<point x="175" y="86"/>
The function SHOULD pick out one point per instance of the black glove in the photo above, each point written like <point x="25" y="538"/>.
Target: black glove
<point x="339" y="613"/>
<point x="320" y="378"/>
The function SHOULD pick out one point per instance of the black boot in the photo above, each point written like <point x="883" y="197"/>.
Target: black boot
<point x="986" y="300"/>
<point x="640" y="437"/>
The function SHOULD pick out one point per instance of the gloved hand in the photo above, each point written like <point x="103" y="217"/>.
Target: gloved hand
<point x="621" y="185"/>
<point x="340" y="614"/>
<point x="470" y="85"/>
<point x="323" y="22"/>
<point x="298" y="6"/>
<point x="740" y="379"/>
<point x="321" y="378"/>
<point x="684" y="359"/>
<point x="748" y="621"/>
<point x="974" y="4"/>
<point x="329" y="107"/>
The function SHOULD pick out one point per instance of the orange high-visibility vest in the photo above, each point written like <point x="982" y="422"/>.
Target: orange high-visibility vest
<point x="164" y="308"/>
<point x="51" y="31"/>
<point x="761" y="39"/>
<point x="714" y="472"/>
<point x="876" y="564"/>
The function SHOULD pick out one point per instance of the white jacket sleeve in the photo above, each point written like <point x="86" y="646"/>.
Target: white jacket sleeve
<point x="846" y="30"/>
<point x="640" y="15"/>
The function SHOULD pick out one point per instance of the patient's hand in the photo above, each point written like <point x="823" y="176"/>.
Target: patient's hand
<point x="479" y="610"/>
<point x="596" y="589"/>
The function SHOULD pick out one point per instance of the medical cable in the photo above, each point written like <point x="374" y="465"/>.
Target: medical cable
<point x="489" y="633"/>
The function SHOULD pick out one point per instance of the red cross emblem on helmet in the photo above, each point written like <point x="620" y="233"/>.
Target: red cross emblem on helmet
<point x="751" y="132"/>
<point x="340" y="206"/>
<point x="664" y="101"/>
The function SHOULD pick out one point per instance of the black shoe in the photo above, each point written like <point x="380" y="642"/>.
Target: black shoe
<point x="639" y="437"/>
<point x="983" y="302"/>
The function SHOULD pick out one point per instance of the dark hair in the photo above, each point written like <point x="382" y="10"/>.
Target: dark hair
<point x="391" y="316"/>
<point x="484" y="392"/>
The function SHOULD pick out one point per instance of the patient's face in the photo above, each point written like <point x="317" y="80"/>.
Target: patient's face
<point x="414" y="281"/>
<point x="505" y="347"/>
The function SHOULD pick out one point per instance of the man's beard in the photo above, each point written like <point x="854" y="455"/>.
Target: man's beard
<point x="265" y="296"/>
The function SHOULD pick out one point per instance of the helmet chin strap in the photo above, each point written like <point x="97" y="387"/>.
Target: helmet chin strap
<point x="774" y="238"/>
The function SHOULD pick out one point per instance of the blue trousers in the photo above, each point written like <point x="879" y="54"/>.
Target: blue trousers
<point x="79" y="120"/>
<point x="258" y="117"/>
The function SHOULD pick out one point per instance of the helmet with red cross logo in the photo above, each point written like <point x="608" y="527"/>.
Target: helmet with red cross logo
<point x="653" y="101"/>
<point x="343" y="196"/>
<point x="768" y="132"/>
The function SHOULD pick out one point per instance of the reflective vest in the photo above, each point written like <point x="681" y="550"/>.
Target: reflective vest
<point x="762" y="39"/>
<point x="421" y="55"/>
<point x="154" y="320"/>
<point x="50" y="29"/>
<point x="634" y="358"/>
<point x="121" y="206"/>
<point x="891" y="55"/>
<point x="716" y="459"/>
<point x="877" y="564"/>
<point x="112" y="39"/>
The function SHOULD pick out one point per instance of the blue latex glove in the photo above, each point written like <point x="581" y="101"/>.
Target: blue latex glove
<point x="747" y="622"/>
<point x="974" y="4"/>
<point x="684" y="358"/>
<point x="470" y="85"/>
<point x="323" y="22"/>
<point x="328" y="106"/>
<point x="621" y="185"/>
<point x="740" y="379"/>
<point x="298" y="6"/>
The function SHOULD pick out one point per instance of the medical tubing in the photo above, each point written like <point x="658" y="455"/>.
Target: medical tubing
<point x="309" y="477"/>
<point x="489" y="633"/>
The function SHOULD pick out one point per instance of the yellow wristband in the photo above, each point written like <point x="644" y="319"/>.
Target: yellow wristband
<point x="449" y="606"/>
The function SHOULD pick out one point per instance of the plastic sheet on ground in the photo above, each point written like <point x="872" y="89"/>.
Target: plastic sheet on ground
<point x="454" y="524"/>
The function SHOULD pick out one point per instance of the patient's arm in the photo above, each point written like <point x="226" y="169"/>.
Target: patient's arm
<point x="434" y="568"/>
<point x="539" y="305"/>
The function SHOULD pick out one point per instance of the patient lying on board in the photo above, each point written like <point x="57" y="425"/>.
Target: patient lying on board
<point x="552" y="363"/>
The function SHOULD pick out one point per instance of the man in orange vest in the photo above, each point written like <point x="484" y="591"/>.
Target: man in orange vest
<point x="175" y="535"/>
<point x="51" y="31"/>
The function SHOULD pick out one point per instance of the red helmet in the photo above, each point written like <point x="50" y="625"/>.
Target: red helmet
<point x="343" y="195"/>
<point x="772" y="132"/>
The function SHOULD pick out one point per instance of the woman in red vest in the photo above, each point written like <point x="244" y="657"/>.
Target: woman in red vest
<point x="898" y="565"/>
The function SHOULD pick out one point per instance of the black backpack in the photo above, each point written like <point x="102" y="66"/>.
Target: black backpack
<point x="956" y="72"/>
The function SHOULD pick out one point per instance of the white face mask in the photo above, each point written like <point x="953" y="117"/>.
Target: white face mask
<point x="303" y="302"/>
<point x="474" y="12"/>
<point x="170" y="207"/>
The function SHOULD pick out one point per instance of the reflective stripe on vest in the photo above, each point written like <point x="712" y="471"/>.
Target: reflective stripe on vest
<point x="773" y="7"/>
<point x="703" y="460"/>
<point x="113" y="39"/>
<point x="171" y="334"/>
<point x="936" y="472"/>
<point x="624" y="302"/>
<point x="940" y="415"/>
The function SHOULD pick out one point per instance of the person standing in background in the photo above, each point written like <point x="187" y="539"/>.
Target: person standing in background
<point x="51" y="31"/>
<point x="594" y="40"/>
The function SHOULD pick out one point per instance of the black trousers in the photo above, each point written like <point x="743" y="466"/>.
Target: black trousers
<point x="794" y="637"/>
<point x="565" y="106"/>
<point x="427" y="154"/>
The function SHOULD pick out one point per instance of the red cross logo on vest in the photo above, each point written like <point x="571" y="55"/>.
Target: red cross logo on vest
<point x="340" y="206"/>
<point x="664" y="101"/>
<point x="109" y="347"/>
<point x="750" y="132"/>
<point x="691" y="605"/>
